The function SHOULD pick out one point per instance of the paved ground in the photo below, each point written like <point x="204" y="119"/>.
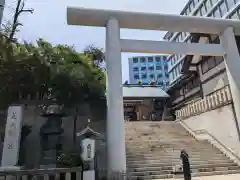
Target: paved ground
<point x="220" y="177"/>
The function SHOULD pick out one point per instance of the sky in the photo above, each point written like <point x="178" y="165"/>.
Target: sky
<point x="49" y="22"/>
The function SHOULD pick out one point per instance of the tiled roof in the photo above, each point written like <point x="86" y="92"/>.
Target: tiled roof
<point x="143" y="92"/>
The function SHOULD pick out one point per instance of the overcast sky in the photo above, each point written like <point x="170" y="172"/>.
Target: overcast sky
<point x="49" y="22"/>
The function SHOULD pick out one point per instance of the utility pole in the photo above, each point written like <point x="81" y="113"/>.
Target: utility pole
<point x="2" y="4"/>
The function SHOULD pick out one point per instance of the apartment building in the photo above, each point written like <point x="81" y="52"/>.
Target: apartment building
<point x="148" y="69"/>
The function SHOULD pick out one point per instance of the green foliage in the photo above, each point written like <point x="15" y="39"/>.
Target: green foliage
<point x="139" y="82"/>
<point x="70" y="158"/>
<point x="30" y="68"/>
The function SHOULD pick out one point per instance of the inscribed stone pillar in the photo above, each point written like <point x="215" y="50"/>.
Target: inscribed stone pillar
<point x="12" y="137"/>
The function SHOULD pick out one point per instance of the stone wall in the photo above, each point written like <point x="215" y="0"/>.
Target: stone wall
<point x="32" y="117"/>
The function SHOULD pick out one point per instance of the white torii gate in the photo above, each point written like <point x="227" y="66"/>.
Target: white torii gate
<point x="114" y="20"/>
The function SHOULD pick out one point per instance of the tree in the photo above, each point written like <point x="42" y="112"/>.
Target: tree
<point x="96" y="54"/>
<point x="19" y="10"/>
<point x="37" y="68"/>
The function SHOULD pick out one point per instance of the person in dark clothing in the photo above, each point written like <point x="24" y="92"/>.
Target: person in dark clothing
<point x="186" y="165"/>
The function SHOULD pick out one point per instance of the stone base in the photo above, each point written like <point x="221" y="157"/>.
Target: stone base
<point x="89" y="175"/>
<point x="48" y="166"/>
<point x="10" y="168"/>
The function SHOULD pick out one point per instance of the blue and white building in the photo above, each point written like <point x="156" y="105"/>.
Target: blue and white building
<point x="148" y="69"/>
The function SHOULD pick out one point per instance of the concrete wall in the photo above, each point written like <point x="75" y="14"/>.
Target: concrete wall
<point x="220" y="123"/>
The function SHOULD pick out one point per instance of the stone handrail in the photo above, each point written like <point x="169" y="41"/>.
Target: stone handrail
<point x="224" y="149"/>
<point x="212" y="101"/>
<point x="45" y="173"/>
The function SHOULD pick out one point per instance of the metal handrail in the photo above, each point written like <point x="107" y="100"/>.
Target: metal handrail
<point x="204" y="131"/>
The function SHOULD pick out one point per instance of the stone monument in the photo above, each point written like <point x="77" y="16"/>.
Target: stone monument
<point x="12" y="138"/>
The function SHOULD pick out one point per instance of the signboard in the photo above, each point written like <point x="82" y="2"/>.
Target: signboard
<point x="88" y="149"/>
<point x="12" y="136"/>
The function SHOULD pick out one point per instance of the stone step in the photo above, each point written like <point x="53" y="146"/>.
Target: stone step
<point x="171" y="176"/>
<point x="159" y="141"/>
<point x="157" y="135"/>
<point x="170" y="167"/>
<point x="165" y="146"/>
<point x="145" y="173"/>
<point x="161" y="158"/>
<point x="168" y="164"/>
<point x="161" y="163"/>
<point x="169" y="156"/>
<point x="170" y="153"/>
<point x="141" y="151"/>
<point x="202" y="147"/>
<point x="211" y="173"/>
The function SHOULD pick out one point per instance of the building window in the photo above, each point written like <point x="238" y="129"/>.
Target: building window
<point x="223" y="8"/>
<point x="176" y="73"/>
<point x="158" y="67"/>
<point x="230" y="3"/>
<point x="208" y="5"/>
<point x="172" y="61"/>
<point x="136" y="76"/>
<point x="214" y="1"/>
<point x="143" y="68"/>
<point x="219" y="59"/>
<point x="144" y="76"/>
<point x="151" y="68"/>
<point x="216" y="40"/>
<point x="166" y="75"/>
<point x="160" y="83"/>
<point x="199" y="13"/>
<point x="203" y="10"/>
<point x="135" y="60"/>
<point x="150" y="59"/>
<point x="135" y="69"/>
<point x="217" y="13"/>
<point x="191" y="5"/>
<point x="204" y="67"/>
<point x="209" y="63"/>
<point x="165" y="67"/>
<point x="234" y="15"/>
<point x="157" y="59"/>
<point x="142" y="59"/>
<point x="159" y="76"/>
<point x="151" y="76"/>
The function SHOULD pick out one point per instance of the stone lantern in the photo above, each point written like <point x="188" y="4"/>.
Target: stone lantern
<point x="87" y="138"/>
<point x="50" y="134"/>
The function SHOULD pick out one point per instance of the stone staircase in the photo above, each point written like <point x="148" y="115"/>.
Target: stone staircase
<point x="153" y="152"/>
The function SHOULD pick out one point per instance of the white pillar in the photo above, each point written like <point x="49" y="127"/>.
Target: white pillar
<point x="232" y="62"/>
<point x="115" y="117"/>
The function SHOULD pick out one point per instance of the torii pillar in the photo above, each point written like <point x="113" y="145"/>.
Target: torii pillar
<point x="115" y="113"/>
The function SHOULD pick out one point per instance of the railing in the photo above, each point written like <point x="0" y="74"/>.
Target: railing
<point x="212" y="101"/>
<point x="205" y="132"/>
<point x="109" y="175"/>
<point x="44" y="174"/>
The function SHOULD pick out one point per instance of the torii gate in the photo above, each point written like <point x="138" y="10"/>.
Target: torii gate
<point x="114" y="20"/>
